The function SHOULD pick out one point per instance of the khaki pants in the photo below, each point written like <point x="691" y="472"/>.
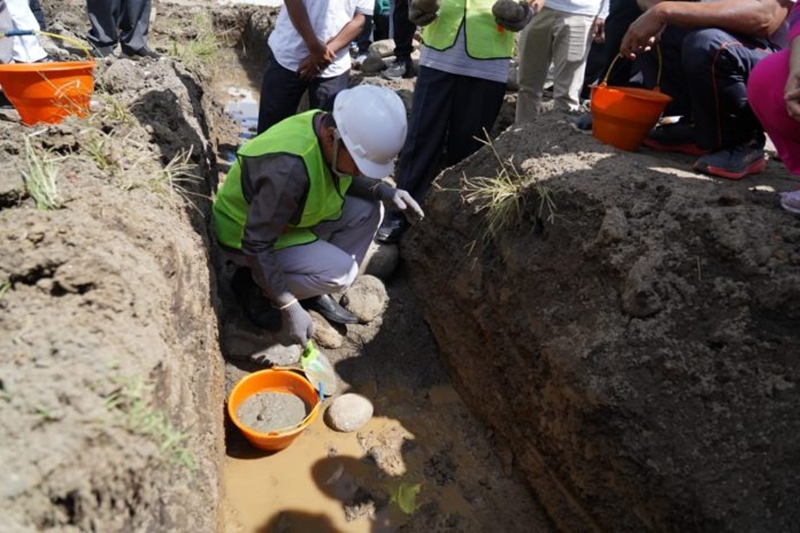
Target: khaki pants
<point x="562" y="38"/>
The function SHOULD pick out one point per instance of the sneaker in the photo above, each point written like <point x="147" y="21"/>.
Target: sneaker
<point x="733" y="163"/>
<point x="359" y="60"/>
<point x="791" y="201"/>
<point x="141" y="52"/>
<point x="399" y="68"/>
<point x="582" y="123"/>
<point x="393" y="227"/>
<point x="678" y="137"/>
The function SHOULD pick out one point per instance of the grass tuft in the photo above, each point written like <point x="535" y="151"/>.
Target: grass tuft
<point x="203" y="49"/>
<point x="504" y="198"/>
<point x="41" y="177"/>
<point x="143" y="419"/>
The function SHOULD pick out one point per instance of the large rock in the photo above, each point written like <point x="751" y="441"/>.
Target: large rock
<point x="640" y="353"/>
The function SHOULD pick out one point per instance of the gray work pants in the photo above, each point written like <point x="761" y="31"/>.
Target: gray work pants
<point x="119" y="21"/>
<point x="329" y="264"/>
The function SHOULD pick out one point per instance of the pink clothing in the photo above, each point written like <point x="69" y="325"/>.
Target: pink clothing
<point x="765" y="95"/>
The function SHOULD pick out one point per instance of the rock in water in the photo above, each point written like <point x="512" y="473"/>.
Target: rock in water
<point x="349" y="412"/>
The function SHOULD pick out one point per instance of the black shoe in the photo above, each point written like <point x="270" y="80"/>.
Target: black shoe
<point x="257" y="308"/>
<point x="101" y="52"/>
<point x="328" y="307"/>
<point x="392" y="229"/>
<point x="141" y="52"/>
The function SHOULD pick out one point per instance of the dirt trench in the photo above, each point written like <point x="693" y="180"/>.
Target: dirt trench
<point x="119" y="340"/>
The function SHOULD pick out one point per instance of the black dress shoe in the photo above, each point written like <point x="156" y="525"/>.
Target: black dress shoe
<point x="256" y="306"/>
<point x="392" y="229"/>
<point x="328" y="307"/>
<point x="141" y="52"/>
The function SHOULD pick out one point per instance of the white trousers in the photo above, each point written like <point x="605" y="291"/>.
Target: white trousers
<point x="563" y="39"/>
<point x="25" y="49"/>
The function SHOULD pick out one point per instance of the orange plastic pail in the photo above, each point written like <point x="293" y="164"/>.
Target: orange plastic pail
<point x="48" y="92"/>
<point x="622" y="116"/>
<point x="273" y="380"/>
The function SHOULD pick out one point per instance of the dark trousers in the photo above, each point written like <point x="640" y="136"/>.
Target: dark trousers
<point x="447" y="114"/>
<point x="36" y="8"/>
<point x="706" y="72"/>
<point x="282" y="90"/>
<point x="621" y="13"/>
<point x="123" y="21"/>
<point x="376" y="28"/>
<point x="402" y="31"/>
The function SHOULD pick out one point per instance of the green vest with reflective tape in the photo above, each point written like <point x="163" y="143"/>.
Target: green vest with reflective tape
<point x="485" y="39"/>
<point x="294" y="136"/>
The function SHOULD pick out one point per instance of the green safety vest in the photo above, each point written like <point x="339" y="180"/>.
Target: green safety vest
<point x="325" y="198"/>
<point x="485" y="39"/>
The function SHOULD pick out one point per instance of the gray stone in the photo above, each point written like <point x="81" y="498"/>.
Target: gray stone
<point x="381" y="260"/>
<point x="349" y="412"/>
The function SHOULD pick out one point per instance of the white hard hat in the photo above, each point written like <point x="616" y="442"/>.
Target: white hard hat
<point x="372" y="123"/>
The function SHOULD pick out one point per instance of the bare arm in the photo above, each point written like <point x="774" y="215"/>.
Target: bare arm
<point x="757" y="18"/>
<point x="348" y="33"/>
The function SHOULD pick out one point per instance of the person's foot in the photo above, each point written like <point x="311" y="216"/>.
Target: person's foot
<point x="399" y="68"/>
<point x="392" y="229"/>
<point x="140" y="53"/>
<point x="255" y="305"/>
<point x="582" y="123"/>
<point x="328" y="307"/>
<point x="359" y="60"/>
<point x="102" y="52"/>
<point x="791" y="201"/>
<point x="679" y="136"/>
<point x="733" y="163"/>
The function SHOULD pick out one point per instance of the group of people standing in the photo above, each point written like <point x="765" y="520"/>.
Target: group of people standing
<point x="304" y="199"/>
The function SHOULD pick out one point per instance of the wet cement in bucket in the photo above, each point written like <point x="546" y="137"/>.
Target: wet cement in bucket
<point x="270" y="411"/>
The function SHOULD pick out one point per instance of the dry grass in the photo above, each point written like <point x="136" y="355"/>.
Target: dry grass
<point x="41" y="176"/>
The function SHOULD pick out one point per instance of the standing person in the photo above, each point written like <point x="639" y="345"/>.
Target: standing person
<point x="376" y="28"/>
<point x="309" y="50"/>
<point x="402" y="31"/>
<point x="301" y="204"/>
<point x="773" y="91"/>
<point x="126" y="22"/>
<point x="709" y="51"/>
<point x="26" y="48"/>
<point x="460" y="88"/>
<point x="561" y="32"/>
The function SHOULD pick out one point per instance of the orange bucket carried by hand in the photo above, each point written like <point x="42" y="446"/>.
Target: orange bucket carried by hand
<point x="47" y="92"/>
<point x="622" y="116"/>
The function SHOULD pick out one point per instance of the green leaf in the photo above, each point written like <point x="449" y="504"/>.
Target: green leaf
<point x="406" y="497"/>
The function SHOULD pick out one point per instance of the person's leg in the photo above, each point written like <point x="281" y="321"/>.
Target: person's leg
<point x="364" y="38"/>
<point x="765" y="94"/>
<point x="26" y="48"/>
<point x="380" y="28"/>
<point x="354" y="230"/>
<point x="476" y="104"/>
<point x="535" y="50"/>
<point x="427" y="128"/>
<point x="403" y="35"/>
<point x="103" y="16"/>
<point x="38" y="12"/>
<point x="6" y="45"/>
<point x="322" y="91"/>
<point x="621" y="14"/>
<point x="134" y="24"/>
<point x="281" y="91"/>
<point x="593" y="71"/>
<point x="570" y="49"/>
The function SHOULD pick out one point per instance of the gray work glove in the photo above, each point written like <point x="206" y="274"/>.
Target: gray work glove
<point x="401" y="200"/>
<point x="423" y="12"/>
<point x="513" y="15"/>
<point x="296" y="325"/>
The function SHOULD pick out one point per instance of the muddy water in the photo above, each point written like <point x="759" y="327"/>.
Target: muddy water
<point x="344" y="482"/>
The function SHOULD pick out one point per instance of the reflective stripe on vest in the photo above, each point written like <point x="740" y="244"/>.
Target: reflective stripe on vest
<point x="293" y="136"/>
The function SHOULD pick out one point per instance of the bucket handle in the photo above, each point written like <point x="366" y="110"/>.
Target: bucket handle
<point x="23" y="33"/>
<point x="604" y="83"/>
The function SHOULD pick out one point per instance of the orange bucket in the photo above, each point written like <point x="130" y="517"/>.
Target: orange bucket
<point x="273" y="380"/>
<point x="622" y="116"/>
<point x="48" y="92"/>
